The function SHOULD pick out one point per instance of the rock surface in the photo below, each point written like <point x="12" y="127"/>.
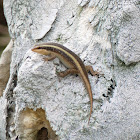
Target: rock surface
<point x="105" y="35"/>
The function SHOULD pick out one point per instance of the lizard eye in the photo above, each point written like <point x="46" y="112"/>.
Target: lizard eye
<point x="39" y="48"/>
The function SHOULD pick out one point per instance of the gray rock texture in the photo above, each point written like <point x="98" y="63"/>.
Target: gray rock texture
<point x="3" y="106"/>
<point x="104" y="34"/>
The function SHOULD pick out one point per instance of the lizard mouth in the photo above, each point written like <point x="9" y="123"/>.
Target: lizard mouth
<point x="33" y="49"/>
<point x="36" y="48"/>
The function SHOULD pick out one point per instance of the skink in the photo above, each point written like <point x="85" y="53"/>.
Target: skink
<point x="71" y="61"/>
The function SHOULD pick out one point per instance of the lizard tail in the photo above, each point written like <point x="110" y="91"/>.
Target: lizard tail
<point x="91" y="106"/>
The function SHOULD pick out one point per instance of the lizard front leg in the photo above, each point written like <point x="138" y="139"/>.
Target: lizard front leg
<point x="51" y="57"/>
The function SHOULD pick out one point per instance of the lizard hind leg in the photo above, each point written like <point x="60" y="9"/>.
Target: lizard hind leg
<point x="68" y="71"/>
<point x="90" y="70"/>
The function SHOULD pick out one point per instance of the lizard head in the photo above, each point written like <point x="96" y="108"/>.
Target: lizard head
<point x="41" y="50"/>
